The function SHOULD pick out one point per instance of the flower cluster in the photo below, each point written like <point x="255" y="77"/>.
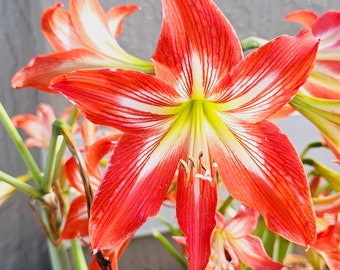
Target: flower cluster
<point x="195" y="120"/>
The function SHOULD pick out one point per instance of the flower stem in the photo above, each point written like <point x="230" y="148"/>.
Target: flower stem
<point x="78" y="257"/>
<point x="170" y="248"/>
<point x="58" y="255"/>
<point x="19" y="185"/>
<point x="309" y="147"/>
<point x="62" y="147"/>
<point x="225" y="205"/>
<point x="23" y="150"/>
<point x="51" y="158"/>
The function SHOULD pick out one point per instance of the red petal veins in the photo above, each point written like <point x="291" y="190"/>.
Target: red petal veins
<point x="133" y="188"/>
<point x="304" y="17"/>
<point x="268" y="78"/>
<point x="58" y="29"/>
<point x="130" y="101"/>
<point x="116" y="15"/>
<point x="206" y="30"/>
<point x="261" y="169"/>
<point x="195" y="207"/>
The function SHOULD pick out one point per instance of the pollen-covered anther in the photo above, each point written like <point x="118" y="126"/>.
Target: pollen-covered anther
<point x="192" y="161"/>
<point x="184" y="165"/>
<point x="205" y="176"/>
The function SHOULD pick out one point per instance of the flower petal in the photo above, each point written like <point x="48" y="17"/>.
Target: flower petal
<point x="58" y="29"/>
<point x="89" y="19"/>
<point x="304" y="17"/>
<point x="268" y="78"/>
<point x="327" y="28"/>
<point x="38" y="128"/>
<point x="192" y="49"/>
<point x="134" y="186"/>
<point x="42" y="69"/>
<point x="127" y="100"/>
<point x="77" y="220"/>
<point x="195" y="208"/>
<point x="251" y="251"/>
<point x="261" y="160"/>
<point x="327" y="204"/>
<point x="116" y="15"/>
<point x="97" y="151"/>
<point x="244" y="223"/>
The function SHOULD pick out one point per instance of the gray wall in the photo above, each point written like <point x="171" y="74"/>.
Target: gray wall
<point x="22" y="244"/>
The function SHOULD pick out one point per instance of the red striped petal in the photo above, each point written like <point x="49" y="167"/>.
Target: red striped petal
<point x="130" y="101"/>
<point x="268" y="78"/>
<point x="133" y="188"/>
<point x="195" y="208"/>
<point x="192" y="48"/>
<point x="260" y="168"/>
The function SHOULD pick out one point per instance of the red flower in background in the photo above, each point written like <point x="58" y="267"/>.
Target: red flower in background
<point x="325" y="77"/>
<point x="39" y="127"/>
<point x="233" y="239"/>
<point x="204" y="112"/>
<point x="84" y="37"/>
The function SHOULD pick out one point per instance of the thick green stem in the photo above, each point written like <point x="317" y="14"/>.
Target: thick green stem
<point x="51" y="158"/>
<point x="62" y="147"/>
<point x="78" y="257"/>
<point x="18" y="141"/>
<point x="20" y="185"/>
<point x="58" y="255"/>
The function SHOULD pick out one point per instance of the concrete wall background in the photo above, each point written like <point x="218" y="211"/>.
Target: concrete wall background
<point x="22" y="245"/>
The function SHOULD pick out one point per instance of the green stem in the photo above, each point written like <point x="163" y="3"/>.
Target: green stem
<point x="62" y="147"/>
<point x="23" y="150"/>
<point x="311" y="146"/>
<point x="51" y="158"/>
<point x="19" y="185"/>
<point x="58" y="255"/>
<point x="170" y="248"/>
<point x="78" y="257"/>
<point x="281" y="248"/>
<point x="225" y="205"/>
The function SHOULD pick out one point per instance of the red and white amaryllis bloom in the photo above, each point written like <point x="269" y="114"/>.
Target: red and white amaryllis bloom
<point x="82" y="38"/>
<point x="325" y="78"/>
<point x="232" y="243"/>
<point x="204" y="113"/>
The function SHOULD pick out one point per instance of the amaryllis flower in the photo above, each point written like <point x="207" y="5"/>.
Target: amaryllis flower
<point x="84" y="37"/>
<point x="203" y="113"/>
<point x="325" y="78"/>
<point x="327" y="243"/>
<point x="232" y="242"/>
<point x="38" y="127"/>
